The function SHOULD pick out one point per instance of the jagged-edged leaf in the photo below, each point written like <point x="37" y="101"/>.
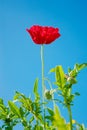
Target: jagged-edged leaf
<point x="59" y="75"/>
<point x="14" y="108"/>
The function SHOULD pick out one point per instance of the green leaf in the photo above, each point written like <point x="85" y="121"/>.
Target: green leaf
<point x="52" y="70"/>
<point x="26" y="128"/>
<point x="80" y="66"/>
<point x="1" y="101"/>
<point x="77" y="94"/>
<point x="71" y="98"/>
<point x="60" y="78"/>
<point x="31" y="119"/>
<point x="35" y="90"/>
<point x="49" y="118"/>
<point x="51" y="112"/>
<point x="73" y="73"/>
<point x="59" y="122"/>
<point x="38" y="127"/>
<point x="21" y="111"/>
<point x="18" y="95"/>
<point x="69" y="70"/>
<point x="26" y="102"/>
<point x="14" y="109"/>
<point x="8" y="128"/>
<point x="2" y="108"/>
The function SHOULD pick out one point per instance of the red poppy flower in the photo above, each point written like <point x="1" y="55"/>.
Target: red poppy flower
<point x="43" y="34"/>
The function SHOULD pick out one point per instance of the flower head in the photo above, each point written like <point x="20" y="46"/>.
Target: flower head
<point x="43" y="34"/>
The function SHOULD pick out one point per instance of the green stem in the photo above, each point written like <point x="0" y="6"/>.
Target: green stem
<point x="9" y="127"/>
<point x="70" y="116"/>
<point x="43" y="86"/>
<point x="51" y="89"/>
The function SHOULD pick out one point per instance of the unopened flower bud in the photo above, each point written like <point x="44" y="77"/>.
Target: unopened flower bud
<point x="71" y="80"/>
<point x="48" y="94"/>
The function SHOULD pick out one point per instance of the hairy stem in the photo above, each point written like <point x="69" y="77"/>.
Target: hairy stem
<point x="43" y="86"/>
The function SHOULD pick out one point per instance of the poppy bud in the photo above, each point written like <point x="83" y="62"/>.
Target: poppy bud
<point x="71" y="80"/>
<point x="48" y="94"/>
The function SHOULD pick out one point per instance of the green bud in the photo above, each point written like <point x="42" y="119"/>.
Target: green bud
<point x="48" y="94"/>
<point x="71" y="80"/>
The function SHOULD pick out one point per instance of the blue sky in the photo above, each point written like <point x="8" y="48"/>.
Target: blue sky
<point x="20" y="58"/>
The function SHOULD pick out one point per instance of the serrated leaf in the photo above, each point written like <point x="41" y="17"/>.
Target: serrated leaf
<point x="14" y="108"/>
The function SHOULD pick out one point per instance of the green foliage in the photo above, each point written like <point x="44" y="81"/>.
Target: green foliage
<point x="65" y="82"/>
<point x="29" y="111"/>
<point x="14" y="109"/>
<point x="48" y="94"/>
<point x="59" y="122"/>
<point x="35" y="90"/>
<point x="59" y="74"/>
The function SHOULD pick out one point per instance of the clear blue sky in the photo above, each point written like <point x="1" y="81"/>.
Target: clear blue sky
<point x="20" y="58"/>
